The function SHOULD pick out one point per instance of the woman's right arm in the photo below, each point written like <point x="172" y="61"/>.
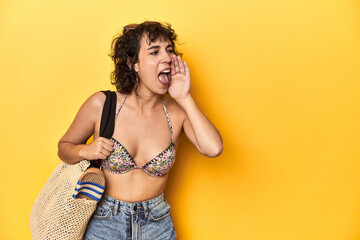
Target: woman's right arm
<point x="72" y="147"/>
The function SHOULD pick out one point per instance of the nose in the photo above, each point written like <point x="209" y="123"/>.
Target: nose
<point x="167" y="57"/>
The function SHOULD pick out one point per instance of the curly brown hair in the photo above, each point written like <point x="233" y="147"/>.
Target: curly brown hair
<point x="127" y="46"/>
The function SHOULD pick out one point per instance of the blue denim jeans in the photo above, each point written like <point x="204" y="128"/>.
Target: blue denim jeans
<point x="115" y="219"/>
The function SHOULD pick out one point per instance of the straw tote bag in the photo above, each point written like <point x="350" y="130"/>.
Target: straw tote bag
<point x="56" y="214"/>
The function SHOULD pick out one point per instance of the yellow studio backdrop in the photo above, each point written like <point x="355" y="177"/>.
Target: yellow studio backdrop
<point x="279" y="79"/>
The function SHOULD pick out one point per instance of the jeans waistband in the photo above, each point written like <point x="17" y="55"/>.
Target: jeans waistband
<point x="132" y="207"/>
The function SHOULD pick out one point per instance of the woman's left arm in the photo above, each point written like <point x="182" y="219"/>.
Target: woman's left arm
<point x="200" y="131"/>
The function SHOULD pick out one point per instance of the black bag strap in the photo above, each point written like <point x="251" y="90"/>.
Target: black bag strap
<point x="107" y="122"/>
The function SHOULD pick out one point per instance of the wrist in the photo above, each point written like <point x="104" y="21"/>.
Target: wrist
<point x="186" y="103"/>
<point x="82" y="151"/>
<point x="183" y="100"/>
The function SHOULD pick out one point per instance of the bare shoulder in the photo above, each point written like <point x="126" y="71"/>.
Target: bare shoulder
<point x="84" y="122"/>
<point x="96" y="100"/>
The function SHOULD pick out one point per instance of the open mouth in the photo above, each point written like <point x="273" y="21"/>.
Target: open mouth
<point x="164" y="77"/>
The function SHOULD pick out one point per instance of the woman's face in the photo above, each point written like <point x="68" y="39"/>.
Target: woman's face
<point x="153" y="67"/>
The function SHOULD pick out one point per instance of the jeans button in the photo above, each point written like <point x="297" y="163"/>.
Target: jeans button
<point x="135" y="207"/>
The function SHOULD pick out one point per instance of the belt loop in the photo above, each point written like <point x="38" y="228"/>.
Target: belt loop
<point x="116" y="208"/>
<point x="131" y="205"/>
<point x="146" y="209"/>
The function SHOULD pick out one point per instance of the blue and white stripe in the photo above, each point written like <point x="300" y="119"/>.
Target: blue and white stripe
<point x="90" y="189"/>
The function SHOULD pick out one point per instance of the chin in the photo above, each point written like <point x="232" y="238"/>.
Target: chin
<point x="163" y="91"/>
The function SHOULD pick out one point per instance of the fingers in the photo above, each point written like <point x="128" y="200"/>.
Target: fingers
<point x="172" y="65"/>
<point x="106" y="143"/>
<point x="177" y="65"/>
<point x="103" y="154"/>
<point x="187" y="72"/>
<point x="105" y="140"/>
<point x="181" y="65"/>
<point x="104" y="148"/>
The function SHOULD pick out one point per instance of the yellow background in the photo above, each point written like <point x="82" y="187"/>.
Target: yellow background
<point x="279" y="79"/>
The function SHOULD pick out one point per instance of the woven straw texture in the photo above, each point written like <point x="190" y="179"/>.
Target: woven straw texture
<point x="55" y="214"/>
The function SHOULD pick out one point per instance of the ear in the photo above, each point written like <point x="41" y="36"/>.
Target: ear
<point x="128" y="62"/>
<point x="136" y="67"/>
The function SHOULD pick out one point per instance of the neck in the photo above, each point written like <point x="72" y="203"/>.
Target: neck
<point x="144" y="101"/>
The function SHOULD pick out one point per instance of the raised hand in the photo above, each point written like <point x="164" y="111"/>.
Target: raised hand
<point x="180" y="78"/>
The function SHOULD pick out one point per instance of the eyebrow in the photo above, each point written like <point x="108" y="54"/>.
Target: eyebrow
<point x="157" y="47"/>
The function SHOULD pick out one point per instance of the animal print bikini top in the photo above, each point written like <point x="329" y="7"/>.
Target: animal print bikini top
<point x="120" y="160"/>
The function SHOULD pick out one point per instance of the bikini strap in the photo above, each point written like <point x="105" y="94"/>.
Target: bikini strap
<point x="168" y="119"/>
<point x="166" y="113"/>
<point x="122" y="103"/>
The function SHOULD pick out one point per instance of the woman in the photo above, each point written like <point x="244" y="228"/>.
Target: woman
<point x="147" y="66"/>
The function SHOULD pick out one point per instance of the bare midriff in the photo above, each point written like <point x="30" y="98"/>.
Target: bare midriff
<point x="134" y="186"/>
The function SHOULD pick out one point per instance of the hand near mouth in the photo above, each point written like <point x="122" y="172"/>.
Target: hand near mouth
<point x="180" y="78"/>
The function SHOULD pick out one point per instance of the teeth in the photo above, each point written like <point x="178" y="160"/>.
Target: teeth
<point x="165" y="71"/>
